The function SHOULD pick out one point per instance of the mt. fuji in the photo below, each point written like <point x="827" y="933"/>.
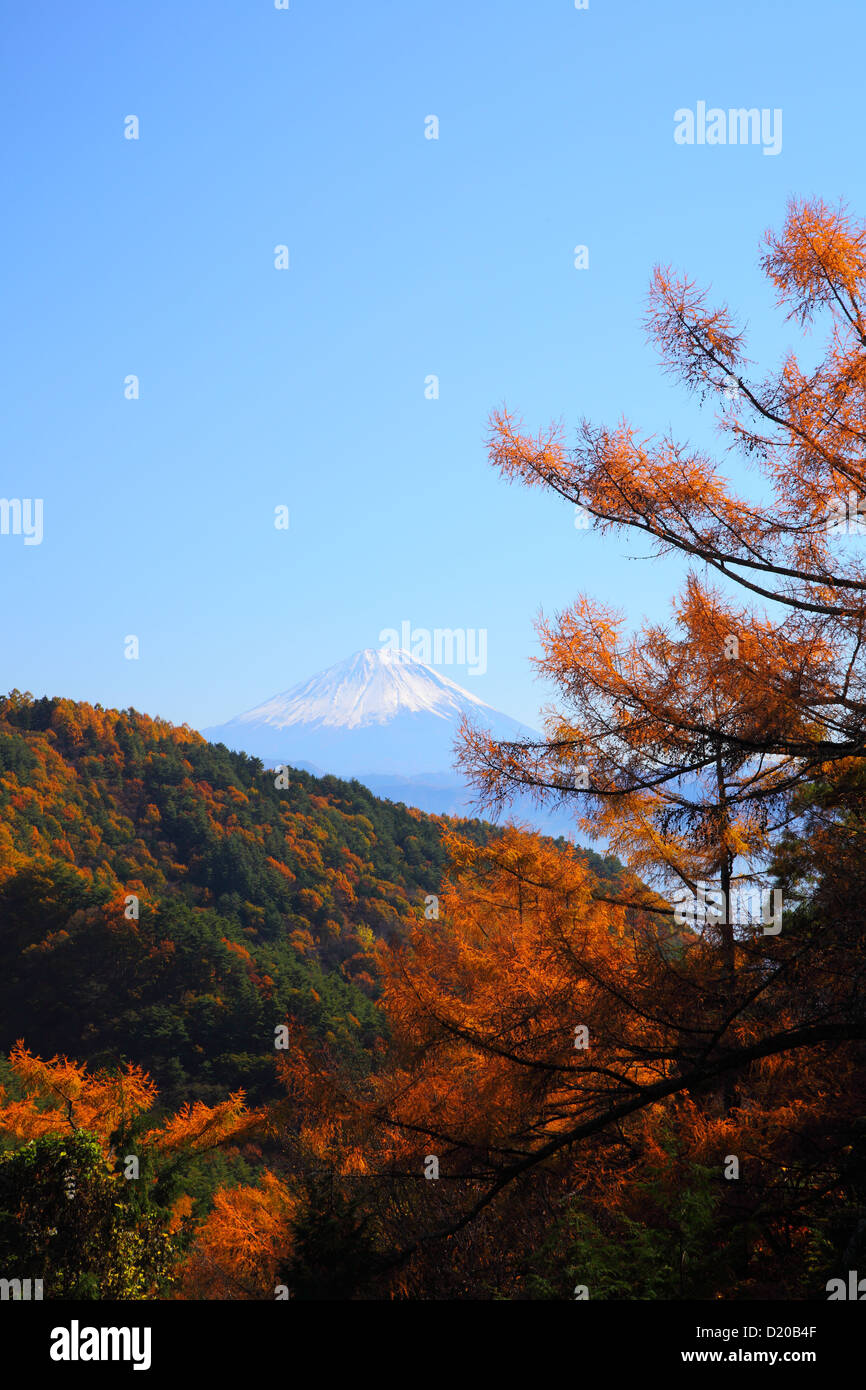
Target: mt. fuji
<point x="378" y="714"/>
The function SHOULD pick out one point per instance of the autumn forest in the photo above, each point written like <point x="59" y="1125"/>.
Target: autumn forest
<point x="271" y="1037"/>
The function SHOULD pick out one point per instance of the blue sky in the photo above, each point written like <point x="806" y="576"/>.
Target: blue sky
<point x="408" y="257"/>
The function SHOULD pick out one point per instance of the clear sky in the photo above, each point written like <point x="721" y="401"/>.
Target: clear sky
<point x="408" y="257"/>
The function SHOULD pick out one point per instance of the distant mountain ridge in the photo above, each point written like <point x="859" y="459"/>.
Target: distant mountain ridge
<point x="387" y="720"/>
<point x="371" y="687"/>
<point x="379" y="712"/>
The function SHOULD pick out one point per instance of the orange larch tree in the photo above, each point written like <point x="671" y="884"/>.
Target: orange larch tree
<point x="683" y="743"/>
<point x="689" y="746"/>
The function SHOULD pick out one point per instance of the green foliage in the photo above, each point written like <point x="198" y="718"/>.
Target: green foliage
<point x="333" y="1250"/>
<point x="66" y="1217"/>
<point x="671" y="1252"/>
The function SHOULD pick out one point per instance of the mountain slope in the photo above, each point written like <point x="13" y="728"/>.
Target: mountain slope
<point x="254" y="905"/>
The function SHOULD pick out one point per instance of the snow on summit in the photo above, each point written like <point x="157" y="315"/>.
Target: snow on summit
<point x="372" y="687"/>
<point x="380" y="711"/>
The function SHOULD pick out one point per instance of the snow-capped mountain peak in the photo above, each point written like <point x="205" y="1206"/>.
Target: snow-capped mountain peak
<point x="371" y="687"/>
<point x="379" y="711"/>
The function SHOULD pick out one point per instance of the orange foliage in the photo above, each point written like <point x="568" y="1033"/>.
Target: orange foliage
<point x="201" y="1126"/>
<point x="683" y="743"/>
<point x="239" y="1247"/>
<point x="61" y="1094"/>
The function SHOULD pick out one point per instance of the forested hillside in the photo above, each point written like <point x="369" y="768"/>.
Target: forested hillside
<point x="162" y="901"/>
<point x="167" y="909"/>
